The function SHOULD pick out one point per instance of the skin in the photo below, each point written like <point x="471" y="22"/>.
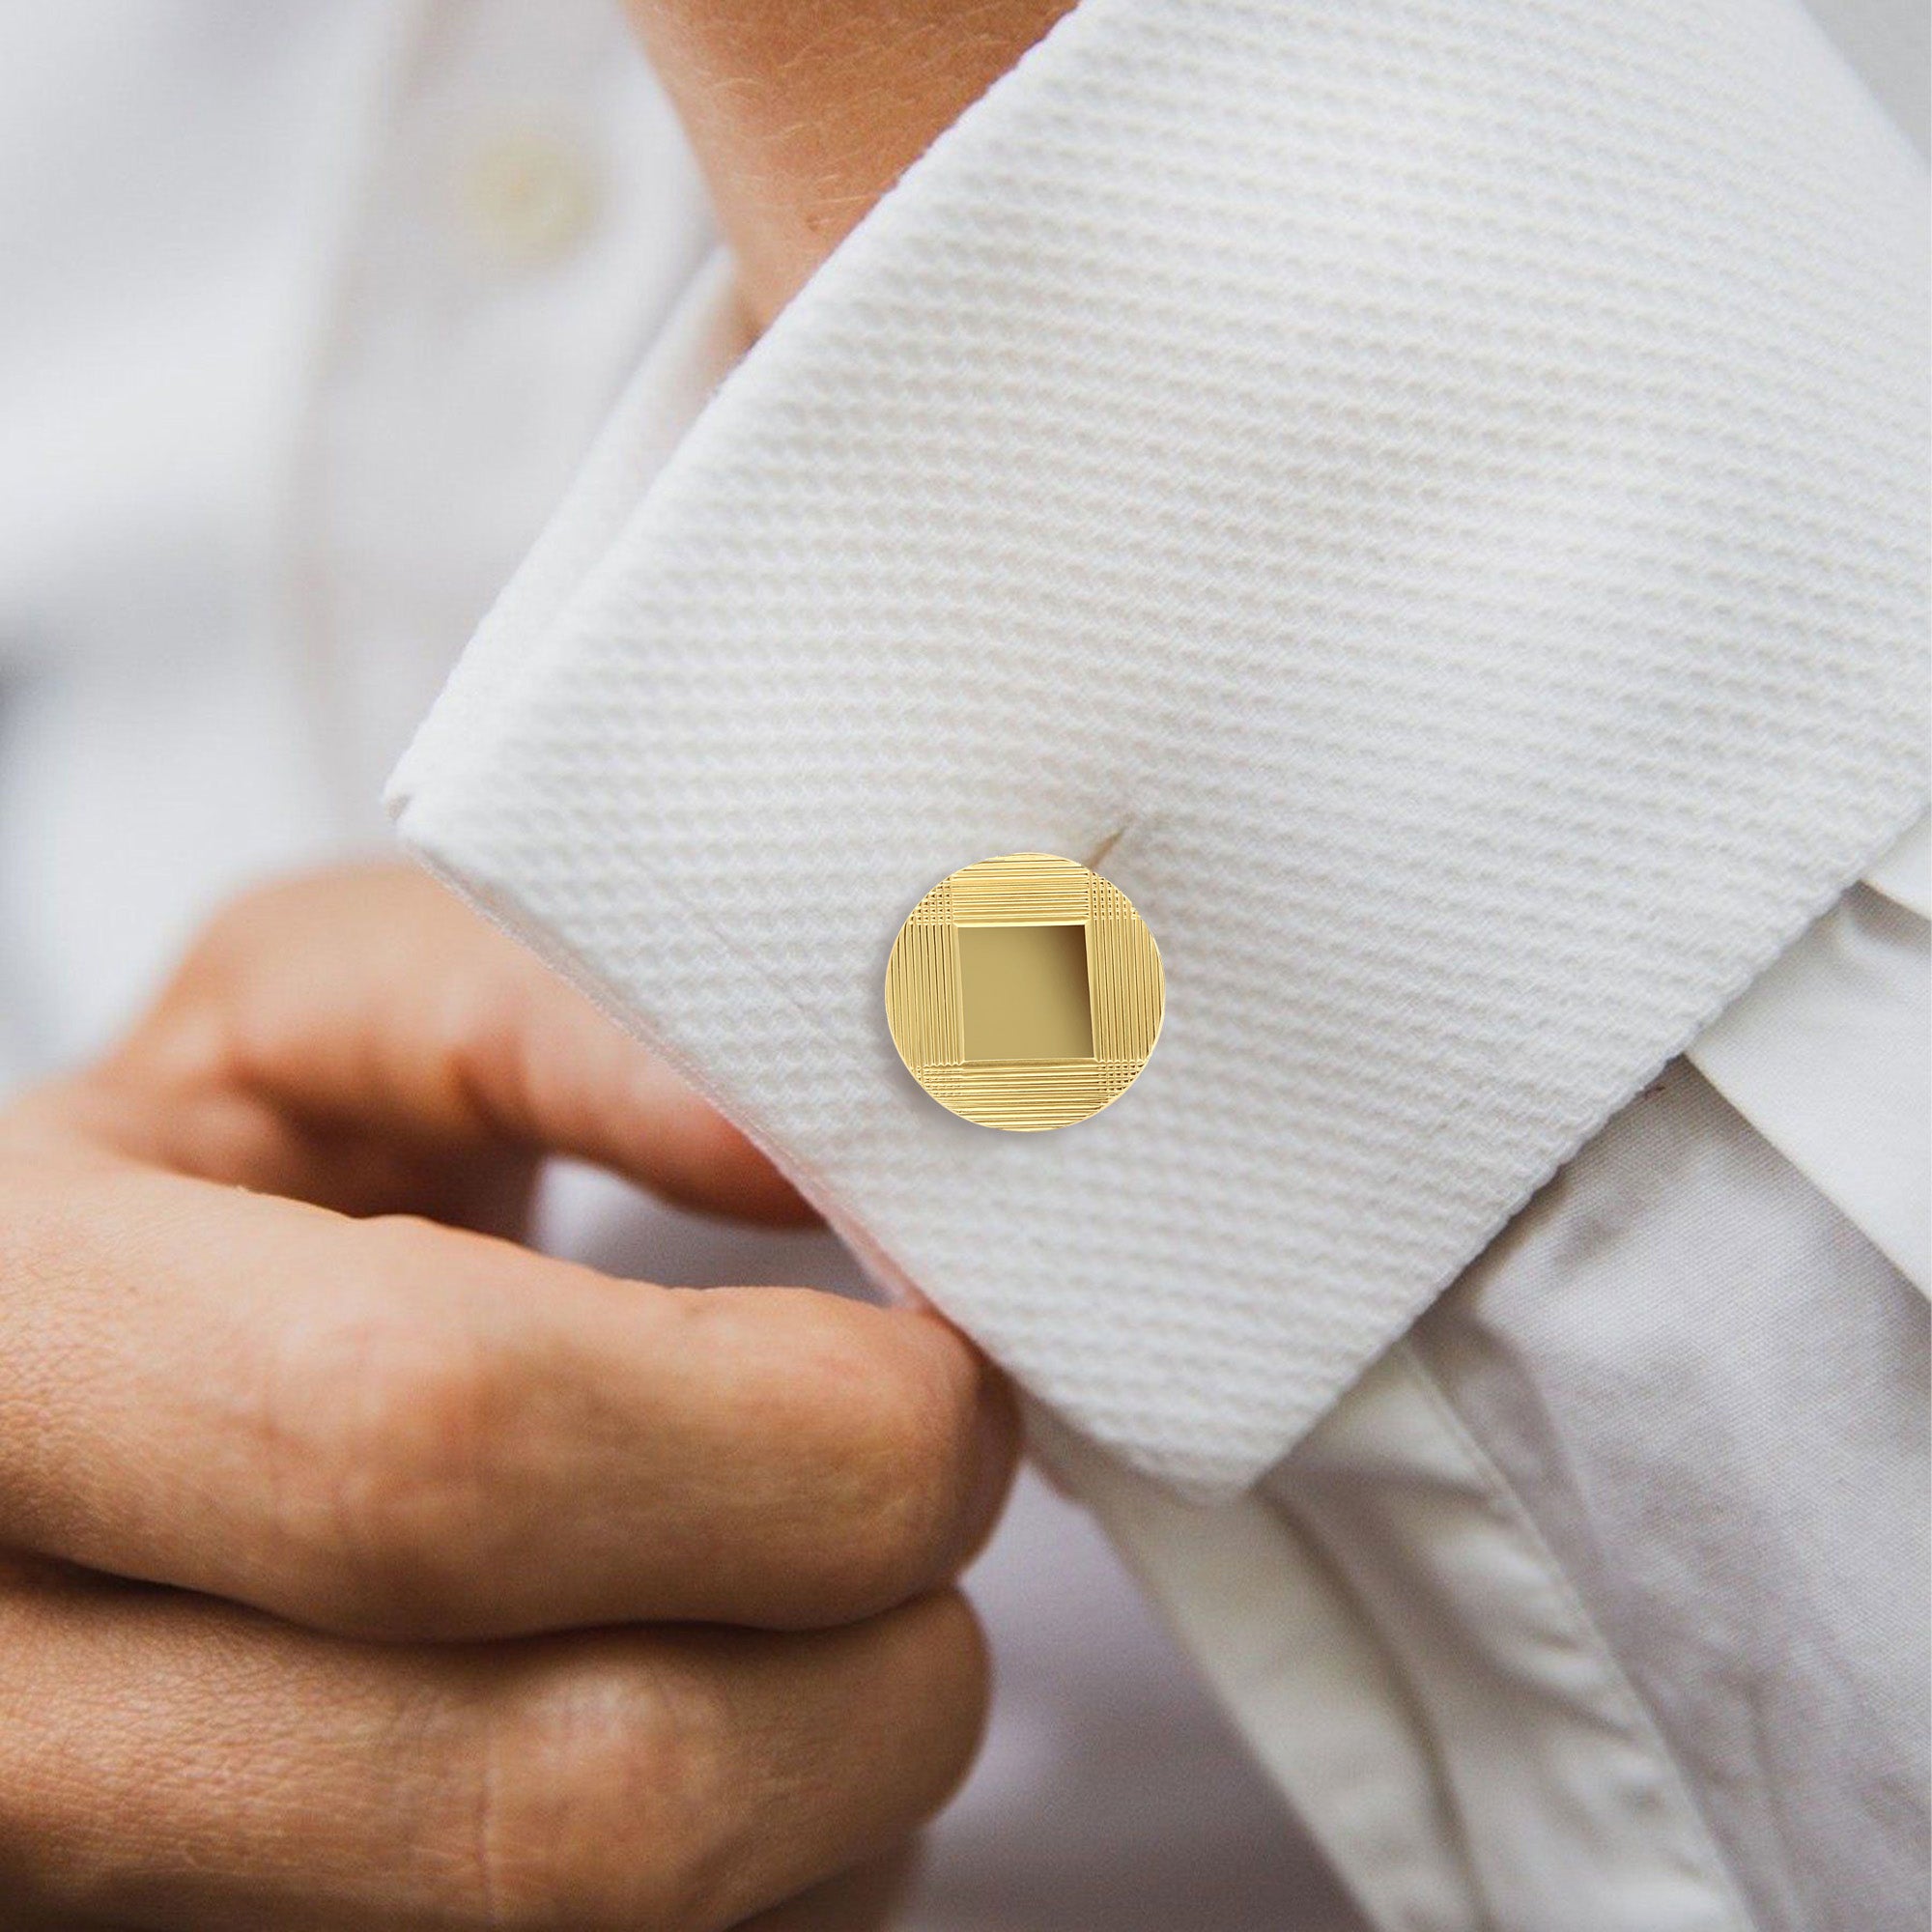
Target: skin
<point x="360" y="1568"/>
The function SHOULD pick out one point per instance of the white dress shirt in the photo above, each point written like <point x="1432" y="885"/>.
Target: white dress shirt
<point x="1598" y="1601"/>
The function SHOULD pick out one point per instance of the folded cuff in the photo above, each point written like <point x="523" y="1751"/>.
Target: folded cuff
<point x="1435" y="490"/>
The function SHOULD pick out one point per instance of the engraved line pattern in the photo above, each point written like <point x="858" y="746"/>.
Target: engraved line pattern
<point x="922" y="1001"/>
<point x="1124" y="977"/>
<point x="1025" y="888"/>
<point x="1022" y="1094"/>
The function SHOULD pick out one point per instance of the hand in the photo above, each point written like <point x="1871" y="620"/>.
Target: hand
<point x="361" y="1572"/>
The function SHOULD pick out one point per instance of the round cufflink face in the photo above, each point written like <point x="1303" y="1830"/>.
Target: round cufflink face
<point x="1024" y="992"/>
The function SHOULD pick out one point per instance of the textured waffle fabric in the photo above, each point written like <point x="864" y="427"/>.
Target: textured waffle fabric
<point x="1435" y="488"/>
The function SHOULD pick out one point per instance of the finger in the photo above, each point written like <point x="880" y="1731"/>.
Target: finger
<point x="396" y="1429"/>
<point x="167" y="1762"/>
<point x="383" y="1029"/>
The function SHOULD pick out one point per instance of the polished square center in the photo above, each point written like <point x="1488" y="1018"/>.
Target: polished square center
<point x="1023" y="992"/>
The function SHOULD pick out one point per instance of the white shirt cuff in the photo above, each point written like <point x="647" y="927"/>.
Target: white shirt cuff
<point x="1439" y="487"/>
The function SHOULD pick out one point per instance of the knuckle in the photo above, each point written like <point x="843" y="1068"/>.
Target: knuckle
<point x="386" y="1434"/>
<point x="476" y="1025"/>
<point x="488" y="1033"/>
<point x="910" y="1467"/>
<point x="593" y="1803"/>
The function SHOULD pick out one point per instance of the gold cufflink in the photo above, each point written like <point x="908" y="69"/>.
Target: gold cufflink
<point x="1024" y="992"/>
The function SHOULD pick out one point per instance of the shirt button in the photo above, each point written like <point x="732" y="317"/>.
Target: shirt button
<point x="530" y="195"/>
